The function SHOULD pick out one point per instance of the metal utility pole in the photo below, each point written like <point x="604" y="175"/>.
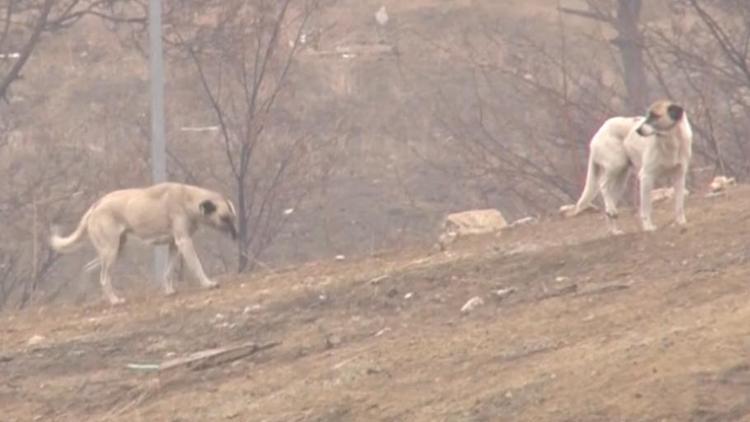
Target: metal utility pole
<point x="158" y="145"/>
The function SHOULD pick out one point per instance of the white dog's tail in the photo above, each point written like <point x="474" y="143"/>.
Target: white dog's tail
<point x="69" y="243"/>
<point x="591" y="188"/>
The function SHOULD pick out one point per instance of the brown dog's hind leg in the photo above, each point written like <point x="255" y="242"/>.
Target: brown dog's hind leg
<point x="107" y="238"/>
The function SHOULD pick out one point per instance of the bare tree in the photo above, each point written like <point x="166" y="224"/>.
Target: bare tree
<point x="522" y="129"/>
<point x="24" y="22"/>
<point x="624" y="18"/>
<point x="39" y="180"/>
<point x="701" y="57"/>
<point x="39" y="174"/>
<point x="244" y="60"/>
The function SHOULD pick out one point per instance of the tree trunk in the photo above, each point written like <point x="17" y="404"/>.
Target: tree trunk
<point x="242" y="219"/>
<point x="629" y="41"/>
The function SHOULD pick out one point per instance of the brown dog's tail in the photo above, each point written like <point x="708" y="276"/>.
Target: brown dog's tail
<point x="69" y="243"/>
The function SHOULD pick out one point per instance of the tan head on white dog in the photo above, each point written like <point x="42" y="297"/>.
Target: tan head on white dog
<point x="661" y="117"/>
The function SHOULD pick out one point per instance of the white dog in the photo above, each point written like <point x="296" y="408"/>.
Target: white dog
<point x="657" y="145"/>
<point x="166" y="213"/>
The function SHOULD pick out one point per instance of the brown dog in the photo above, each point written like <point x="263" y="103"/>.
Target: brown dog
<point x="166" y="213"/>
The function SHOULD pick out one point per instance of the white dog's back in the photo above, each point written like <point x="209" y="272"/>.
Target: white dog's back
<point x="607" y="154"/>
<point x="608" y="144"/>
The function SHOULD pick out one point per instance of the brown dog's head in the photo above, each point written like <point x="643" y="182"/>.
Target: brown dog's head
<point x="662" y="116"/>
<point x="220" y="214"/>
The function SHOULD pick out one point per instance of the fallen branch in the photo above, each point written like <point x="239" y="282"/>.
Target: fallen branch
<point x="206" y="358"/>
<point x="214" y="357"/>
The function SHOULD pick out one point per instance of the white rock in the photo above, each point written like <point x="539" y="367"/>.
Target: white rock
<point x="473" y="222"/>
<point x="382" y="331"/>
<point x="502" y="293"/>
<point x="381" y="16"/>
<point x="472" y="303"/>
<point x="721" y="183"/>
<point x="251" y="308"/>
<point x="35" y="340"/>
<point x="523" y="221"/>
<point x="340" y="257"/>
<point x="409" y="295"/>
<point x="661" y="194"/>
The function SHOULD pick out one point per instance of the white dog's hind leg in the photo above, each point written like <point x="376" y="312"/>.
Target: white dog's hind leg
<point x="591" y="186"/>
<point x="647" y="185"/>
<point x="612" y="187"/>
<point x="185" y="246"/>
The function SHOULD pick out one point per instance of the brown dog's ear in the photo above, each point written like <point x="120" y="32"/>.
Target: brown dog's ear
<point x="675" y="112"/>
<point x="207" y="207"/>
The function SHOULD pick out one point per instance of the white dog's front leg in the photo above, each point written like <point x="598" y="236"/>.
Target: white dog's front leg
<point x="679" y="197"/>
<point x="647" y="185"/>
<point x="185" y="246"/>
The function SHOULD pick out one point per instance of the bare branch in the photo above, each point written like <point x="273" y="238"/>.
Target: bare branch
<point x="585" y="14"/>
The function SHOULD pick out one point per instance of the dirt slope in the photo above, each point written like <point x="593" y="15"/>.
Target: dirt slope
<point x="634" y="328"/>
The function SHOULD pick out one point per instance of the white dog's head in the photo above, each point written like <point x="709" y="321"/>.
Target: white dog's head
<point x="220" y="214"/>
<point x="662" y="117"/>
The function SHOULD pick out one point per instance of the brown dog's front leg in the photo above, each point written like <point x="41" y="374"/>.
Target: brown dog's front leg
<point x="185" y="246"/>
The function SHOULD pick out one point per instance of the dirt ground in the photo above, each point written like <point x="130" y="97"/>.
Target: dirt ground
<point x="641" y="327"/>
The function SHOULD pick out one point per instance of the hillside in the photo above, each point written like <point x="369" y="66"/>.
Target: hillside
<point x="646" y="327"/>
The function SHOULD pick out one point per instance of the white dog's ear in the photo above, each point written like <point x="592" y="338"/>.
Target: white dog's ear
<point x="207" y="207"/>
<point x="675" y="112"/>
